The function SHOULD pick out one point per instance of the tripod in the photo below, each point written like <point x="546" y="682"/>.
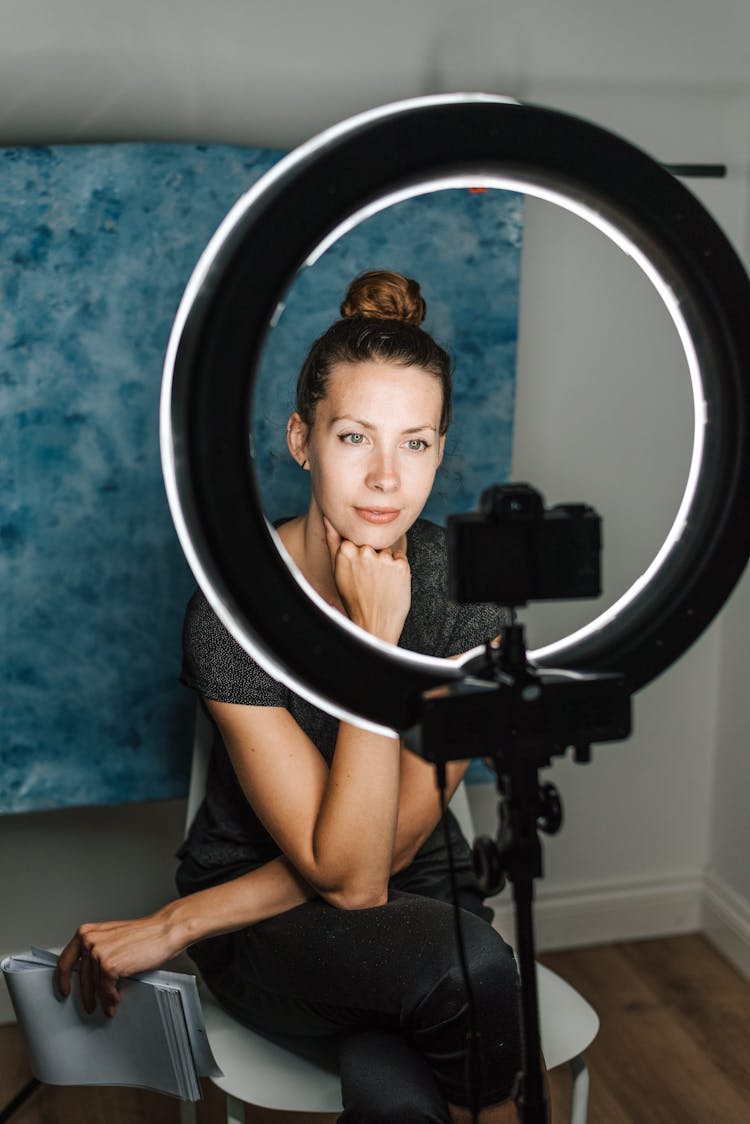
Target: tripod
<point x="520" y="717"/>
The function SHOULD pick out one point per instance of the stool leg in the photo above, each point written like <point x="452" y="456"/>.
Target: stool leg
<point x="579" y="1106"/>
<point x="188" y="1114"/>
<point x="235" y="1110"/>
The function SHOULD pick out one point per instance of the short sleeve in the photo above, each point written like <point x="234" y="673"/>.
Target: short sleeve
<point x="436" y="625"/>
<point x="217" y="667"/>
<point x="473" y="625"/>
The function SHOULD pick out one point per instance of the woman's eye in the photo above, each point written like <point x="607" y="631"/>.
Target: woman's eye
<point x="353" y="438"/>
<point x="416" y="444"/>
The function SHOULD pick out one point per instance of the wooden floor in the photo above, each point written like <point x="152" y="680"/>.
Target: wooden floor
<point x="674" y="1043"/>
<point x="674" y="1048"/>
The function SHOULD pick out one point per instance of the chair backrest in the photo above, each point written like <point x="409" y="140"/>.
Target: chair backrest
<point x="202" y="738"/>
<point x="462" y="811"/>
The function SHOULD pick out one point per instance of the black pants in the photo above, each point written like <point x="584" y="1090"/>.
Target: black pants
<point x="387" y="982"/>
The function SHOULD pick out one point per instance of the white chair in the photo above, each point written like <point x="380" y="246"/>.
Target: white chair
<point x="301" y="1075"/>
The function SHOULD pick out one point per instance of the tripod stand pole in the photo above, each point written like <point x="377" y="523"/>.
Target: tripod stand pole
<point x="531" y="1095"/>
<point x="520" y="717"/>
<point x="520" y="852"/>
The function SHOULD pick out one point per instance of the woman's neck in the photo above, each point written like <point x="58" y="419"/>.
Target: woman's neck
<point x="304" y="538"/>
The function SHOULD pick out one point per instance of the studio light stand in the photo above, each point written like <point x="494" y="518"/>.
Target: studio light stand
<point x="516" y="715"/>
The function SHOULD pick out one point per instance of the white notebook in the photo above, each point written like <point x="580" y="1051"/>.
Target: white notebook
<point x="156" y="1040"/>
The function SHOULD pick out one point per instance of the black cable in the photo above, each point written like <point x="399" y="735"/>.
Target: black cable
<point x="20" y="1098"/>
<point x="473" y="1068"/>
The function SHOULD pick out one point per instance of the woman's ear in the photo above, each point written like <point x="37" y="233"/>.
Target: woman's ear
<point x="296" y="439"/>
<point x="441" y="448"/>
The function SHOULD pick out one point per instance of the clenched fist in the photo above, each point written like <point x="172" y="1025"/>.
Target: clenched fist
<point x="374" y="585"/>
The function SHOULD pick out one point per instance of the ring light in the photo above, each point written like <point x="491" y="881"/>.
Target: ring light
<point x="288" y="218"/>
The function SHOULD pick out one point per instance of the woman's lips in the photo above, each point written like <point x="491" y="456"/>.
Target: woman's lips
<point x="377" y="514"/>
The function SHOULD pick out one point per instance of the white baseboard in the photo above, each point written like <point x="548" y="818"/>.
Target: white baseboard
<point x="616" y="910"/>
<point x="620" y="910"/>
<point x="725" y="919"/>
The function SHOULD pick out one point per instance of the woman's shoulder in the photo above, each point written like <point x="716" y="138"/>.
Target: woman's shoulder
<point x="202" y="630"/>
<point x="199" y="613"/>
<point x="429" y="588"/>
<point x="217" y="666"/>
<point x="426" y="540"/>
<point x="428" y="557"/>
<point x="438" y="625"/>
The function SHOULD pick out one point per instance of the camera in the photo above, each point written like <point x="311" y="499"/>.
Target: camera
<point x="514" y="550"/>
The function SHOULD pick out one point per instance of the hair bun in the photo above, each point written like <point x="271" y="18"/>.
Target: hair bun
<point x="383" y="295"/>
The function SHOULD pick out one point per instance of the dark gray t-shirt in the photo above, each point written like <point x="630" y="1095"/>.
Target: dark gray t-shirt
<point x="226" y="837"/>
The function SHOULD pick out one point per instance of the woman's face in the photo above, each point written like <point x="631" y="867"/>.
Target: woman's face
<point x="373" y="449"/>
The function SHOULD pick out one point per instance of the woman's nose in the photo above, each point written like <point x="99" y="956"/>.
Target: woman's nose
<point x="382" y="473"/>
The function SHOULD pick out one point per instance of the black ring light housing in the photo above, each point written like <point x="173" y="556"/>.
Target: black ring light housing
<point x="402" y="150"/>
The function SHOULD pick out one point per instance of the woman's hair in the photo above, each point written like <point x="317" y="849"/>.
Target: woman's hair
<point x="381" y="314"/>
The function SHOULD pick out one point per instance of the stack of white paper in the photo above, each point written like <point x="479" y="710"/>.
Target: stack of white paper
<point x="156" y="1040"/>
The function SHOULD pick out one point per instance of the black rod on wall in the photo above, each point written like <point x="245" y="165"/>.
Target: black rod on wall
<point x="698" y="171"/>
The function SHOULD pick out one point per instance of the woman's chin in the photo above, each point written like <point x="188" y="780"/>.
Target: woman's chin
<point x="378" y="535"/>
<point x="386" y="537"/>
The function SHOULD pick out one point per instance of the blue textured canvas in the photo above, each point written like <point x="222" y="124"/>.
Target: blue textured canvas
<point x="97" y="245"/>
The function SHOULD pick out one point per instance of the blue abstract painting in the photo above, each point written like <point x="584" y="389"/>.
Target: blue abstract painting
<point x="98" y="243"/>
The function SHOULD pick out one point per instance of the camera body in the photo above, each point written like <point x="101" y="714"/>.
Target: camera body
<point x="515" y="550"/>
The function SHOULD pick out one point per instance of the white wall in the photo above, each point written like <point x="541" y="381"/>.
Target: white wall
<point x="273" y="71"/>
<point x="645" y="818"/>
<point x="726" y="916"/>
<point x="59" y="869"/>
<point x="604" y="415"/>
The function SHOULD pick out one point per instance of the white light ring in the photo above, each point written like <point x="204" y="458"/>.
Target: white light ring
<point x="695" y="302"/>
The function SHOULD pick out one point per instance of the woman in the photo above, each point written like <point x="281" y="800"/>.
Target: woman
<point x="314" y="878"/>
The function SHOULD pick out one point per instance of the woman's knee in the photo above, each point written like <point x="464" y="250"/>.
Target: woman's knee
<point x="492" y="971"/>
<point x="443" y="1016"/>
<point x="491" y="967"/>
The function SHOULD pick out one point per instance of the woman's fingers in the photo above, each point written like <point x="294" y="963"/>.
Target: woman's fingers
<point x="109" y="992"/>
<point x="96" y="981"/>
<point x="374" y="585"/>
<point x="112" y="950"/>
<point x="65" y="962"/>
<point x="88" y="986"/>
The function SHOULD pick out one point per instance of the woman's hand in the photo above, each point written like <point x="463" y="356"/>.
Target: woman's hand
<point x="374" y="585"/>
<point x="109" y="950"/>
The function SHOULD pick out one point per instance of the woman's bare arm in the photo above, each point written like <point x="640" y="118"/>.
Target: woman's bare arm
<point x="111" y="950"/>
<point x="419" y="804"/>
<point x="419" y="801"/>
<point x="342" y="832"/>
<point x="337" y="827"/>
